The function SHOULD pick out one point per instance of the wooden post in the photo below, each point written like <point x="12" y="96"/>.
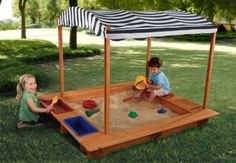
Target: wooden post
<point x="61" y="62"/>
<point x="209" y="70"/>
<point x="107" y="84"/>
<point x="149" y="39"/>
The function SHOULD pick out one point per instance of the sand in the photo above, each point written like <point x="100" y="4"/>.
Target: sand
<point x="119" y="110"/>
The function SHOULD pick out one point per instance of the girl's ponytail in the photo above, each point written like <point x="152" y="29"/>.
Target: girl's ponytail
<point x="19" y="91"/>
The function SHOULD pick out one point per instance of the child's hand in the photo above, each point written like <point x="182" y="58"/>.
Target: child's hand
<point x="149" y="86"/>
<point x="150" y="81"/>
<point x="49" y="108"/>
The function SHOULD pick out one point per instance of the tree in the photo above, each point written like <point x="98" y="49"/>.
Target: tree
<point x="52" y="11"/>
<point x="138" y="4"/>
<point x="73" y="30"/>
<point x="32" y="10"/>
<point x="122" y="4"/>
<point x="228" y="12"/>
<point x="21" y="6"/>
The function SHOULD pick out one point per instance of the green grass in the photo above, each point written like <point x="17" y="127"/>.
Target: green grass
<point x="186" y="70"/>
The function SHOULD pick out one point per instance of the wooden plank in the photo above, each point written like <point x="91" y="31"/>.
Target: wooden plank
<point x="61" y="117"/>
<point x="209" y="70"/>
<point x="177" y="123"/>
<point x="169" y="102"/>
<point x="178" y="129"/>
<point x="149" y="40"/>
<point x="63" y="129"/>
<point x="107" y="84"/>
<point x="61" y="61"/>
<point x="185" y="104"/>
<point x="178" y="104"/>
<point x="81" y="94"/>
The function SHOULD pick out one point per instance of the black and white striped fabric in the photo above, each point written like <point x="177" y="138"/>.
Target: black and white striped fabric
<point x="136" y="24"/>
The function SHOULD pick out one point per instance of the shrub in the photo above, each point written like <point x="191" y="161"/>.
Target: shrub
<point x="7" y="26"/>
<point x="38" y="51"/>
<point x="9" y="63"/>
<point x="15" y="56"/>
<point x="10" y="76"/>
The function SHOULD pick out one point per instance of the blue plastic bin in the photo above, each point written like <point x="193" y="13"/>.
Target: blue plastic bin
<point x="80" y="125"/>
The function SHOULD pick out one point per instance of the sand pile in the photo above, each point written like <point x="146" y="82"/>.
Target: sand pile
<point x="119" y="110"/>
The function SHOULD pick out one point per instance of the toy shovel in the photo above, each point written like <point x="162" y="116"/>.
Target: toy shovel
<point x="54" y="100"/>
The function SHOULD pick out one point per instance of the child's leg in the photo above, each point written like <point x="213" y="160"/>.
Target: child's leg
<point x="161" y="92"/>
<point x="154" y="93"/>
<point x="151" y="96"/>
<point x="43" y="119"/>
<point x="28" y="124"/>
<point x="138" y="94"/>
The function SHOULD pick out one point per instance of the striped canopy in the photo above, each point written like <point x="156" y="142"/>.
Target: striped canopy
<point x="136" y="24"/>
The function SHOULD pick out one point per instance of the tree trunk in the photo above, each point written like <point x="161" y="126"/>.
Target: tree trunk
<point x="73" y="30"/>
<point x="21" y="6"/>
<point x="33" y="19"/>
<point x="73" y="38"/>
<point x="23" y="29"/>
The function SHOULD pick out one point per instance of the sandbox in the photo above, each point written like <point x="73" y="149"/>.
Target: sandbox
<point x="147" y="112"/>
<point x="124" y="131"/>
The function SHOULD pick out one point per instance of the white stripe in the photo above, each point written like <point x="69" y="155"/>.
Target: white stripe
<point x="157" y="34"/>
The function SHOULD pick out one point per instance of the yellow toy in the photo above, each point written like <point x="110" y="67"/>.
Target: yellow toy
<point x="140" y="83"/>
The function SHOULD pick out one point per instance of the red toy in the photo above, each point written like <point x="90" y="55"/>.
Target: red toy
<point x="89" y="104"/>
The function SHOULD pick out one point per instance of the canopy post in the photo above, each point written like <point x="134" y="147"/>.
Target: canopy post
<point x="149" y="40"/>
<point x="209" y="70"/>
<point x="107" y="84"/>
<point x="61" y="61"/>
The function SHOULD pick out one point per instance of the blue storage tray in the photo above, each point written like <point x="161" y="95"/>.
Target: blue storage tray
<point x="80" y="125"/>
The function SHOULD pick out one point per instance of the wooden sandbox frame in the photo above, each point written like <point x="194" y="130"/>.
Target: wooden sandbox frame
<point x="100" y="143"/>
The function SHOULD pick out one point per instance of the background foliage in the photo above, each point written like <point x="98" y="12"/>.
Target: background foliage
<point x="18" y="57"/>
<point x="44" y="13"/>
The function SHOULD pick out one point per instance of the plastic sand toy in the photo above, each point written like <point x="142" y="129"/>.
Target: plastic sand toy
<point x="133" y="114"/>
<point x="162" y="111"/>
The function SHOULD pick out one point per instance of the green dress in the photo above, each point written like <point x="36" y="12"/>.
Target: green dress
<point x="26" y="114"/>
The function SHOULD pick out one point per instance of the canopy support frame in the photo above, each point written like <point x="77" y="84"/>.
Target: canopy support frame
<point x="209" y="71"/>
<point x="149" y="40"/>
<point x="107" y="83"/>
<point x="107" y="72"/>
<point x="61" y="61"/>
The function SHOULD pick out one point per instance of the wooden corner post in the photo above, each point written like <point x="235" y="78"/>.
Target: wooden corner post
<point x="61" y="61"/>
<point x="149" y="40"/>
<point x="107" y="84"/>
<point x="209" y="70"/>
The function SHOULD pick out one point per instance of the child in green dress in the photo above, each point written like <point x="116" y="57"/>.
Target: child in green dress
<point x="30" y="114"/>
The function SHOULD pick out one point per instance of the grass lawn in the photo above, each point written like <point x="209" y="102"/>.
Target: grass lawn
<point x="186" y="70"/>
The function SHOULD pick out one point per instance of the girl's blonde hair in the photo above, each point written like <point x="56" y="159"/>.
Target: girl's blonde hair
<point x="21" y="85"/>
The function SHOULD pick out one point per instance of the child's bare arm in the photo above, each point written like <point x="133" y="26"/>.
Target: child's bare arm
<point x="154" y="87"/>
<point x="34" y="108"/>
